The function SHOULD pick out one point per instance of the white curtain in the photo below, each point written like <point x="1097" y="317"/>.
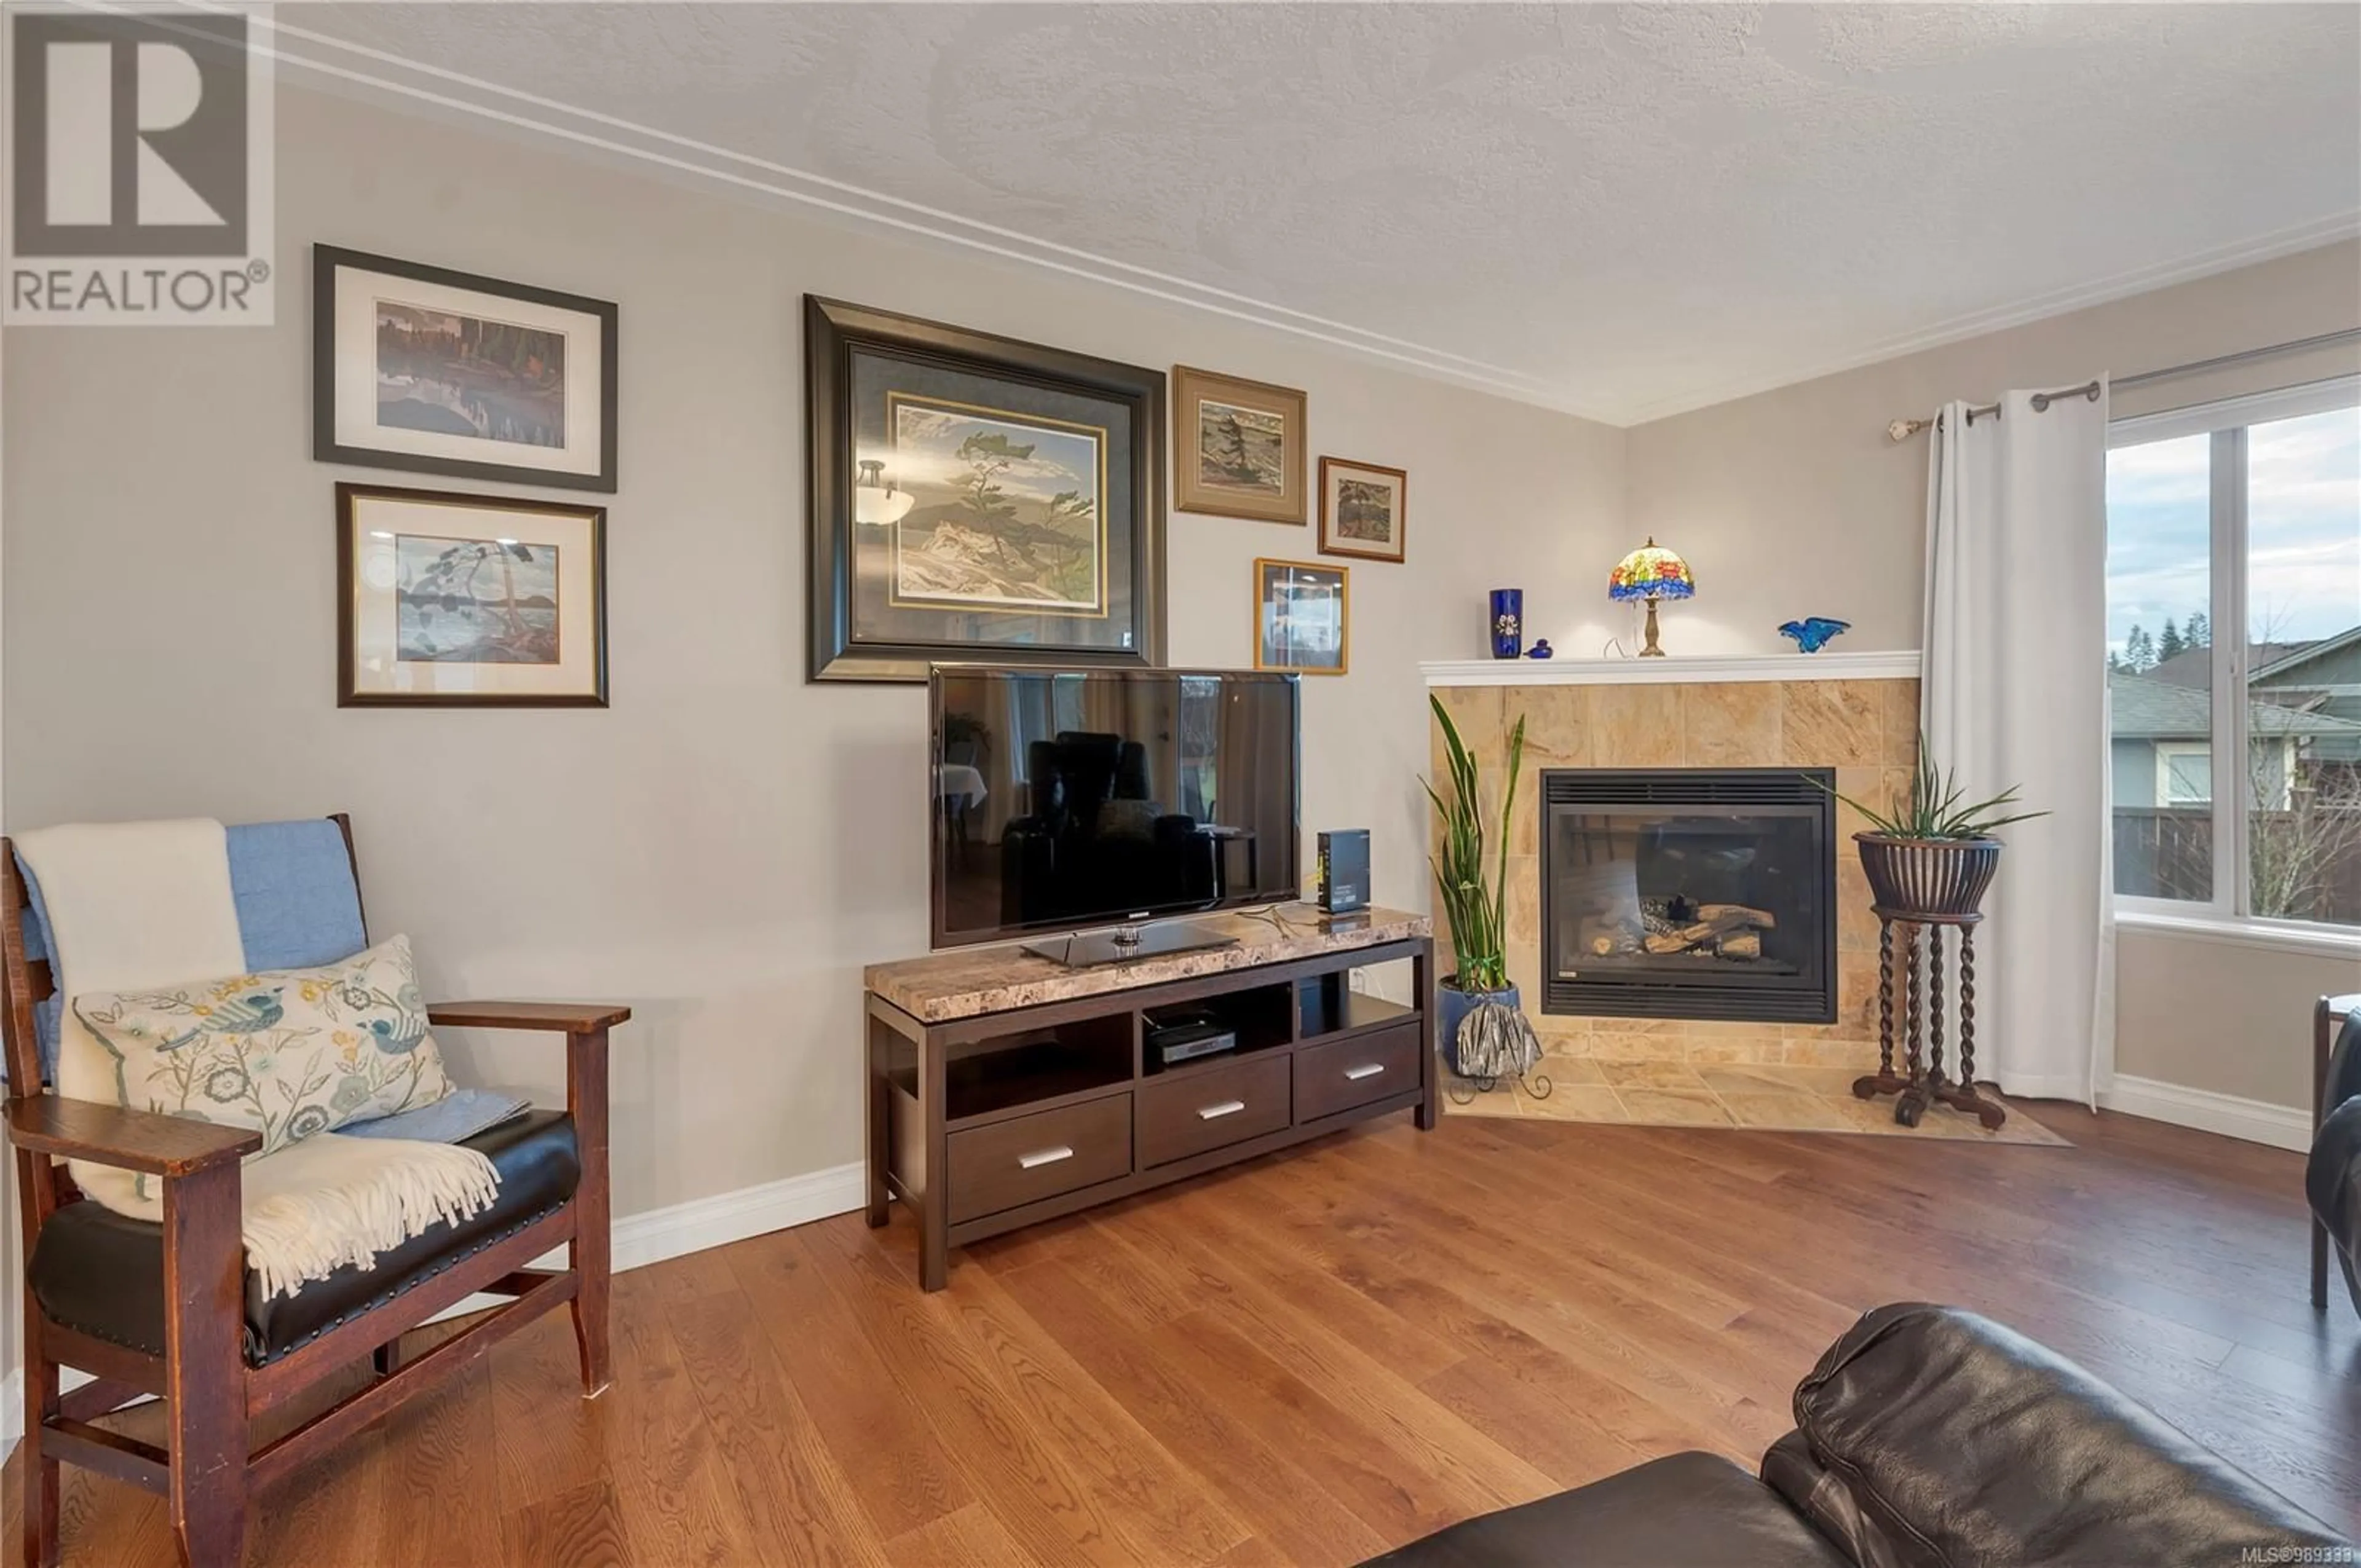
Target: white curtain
<point x="2015" y="692"/>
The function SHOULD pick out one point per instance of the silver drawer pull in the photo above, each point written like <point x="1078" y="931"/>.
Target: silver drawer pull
<point x="1366" y="1070"/>
<point x="1045" y="1156"/>
<point x="1227" y="1108"/>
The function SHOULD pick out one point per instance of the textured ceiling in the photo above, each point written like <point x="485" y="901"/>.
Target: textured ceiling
<point x="1620" y="210"/>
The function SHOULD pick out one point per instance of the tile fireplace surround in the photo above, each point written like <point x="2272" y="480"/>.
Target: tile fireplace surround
<point x="1857" y="713"/>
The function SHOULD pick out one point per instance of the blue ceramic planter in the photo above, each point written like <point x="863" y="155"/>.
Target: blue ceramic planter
<point x="1452" y="1004"/>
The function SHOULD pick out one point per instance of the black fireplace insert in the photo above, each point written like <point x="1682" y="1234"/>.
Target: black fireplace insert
<point x="1689" y="893"/>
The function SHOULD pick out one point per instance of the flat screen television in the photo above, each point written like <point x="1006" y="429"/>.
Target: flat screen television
<point x="1065" y="799"/>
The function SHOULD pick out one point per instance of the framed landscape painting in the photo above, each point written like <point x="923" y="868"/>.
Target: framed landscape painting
<point x="1302" y="618"/>
<point x="1363" y="510"/>
<point x="423" y="368"/>
<point x="452" y="601"/>
<point x="974" y="497"/>
<point x="1238" y="447"/>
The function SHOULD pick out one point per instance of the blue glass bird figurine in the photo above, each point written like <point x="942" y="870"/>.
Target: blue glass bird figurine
<point x="1812" y="633"/>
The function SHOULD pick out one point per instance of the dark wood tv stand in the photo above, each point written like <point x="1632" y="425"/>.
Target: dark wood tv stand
<point x="1004" y="1089"/>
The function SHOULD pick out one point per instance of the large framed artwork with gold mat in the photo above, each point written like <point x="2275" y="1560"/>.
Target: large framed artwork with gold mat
<point x="974" y="497"/>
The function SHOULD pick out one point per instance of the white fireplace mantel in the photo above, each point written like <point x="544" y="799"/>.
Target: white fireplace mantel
<point x="1673" y="670"/>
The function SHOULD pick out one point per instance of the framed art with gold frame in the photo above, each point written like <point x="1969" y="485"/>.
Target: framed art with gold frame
<point x="1303" y="617"/>
<point x="450" y="601"/>
<point x="1364" y="509"/>
<point x="1238" y="447"/>
<point x="974" y="497"/>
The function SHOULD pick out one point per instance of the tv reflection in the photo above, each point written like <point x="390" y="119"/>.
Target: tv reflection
<point x="1068" y="799"/>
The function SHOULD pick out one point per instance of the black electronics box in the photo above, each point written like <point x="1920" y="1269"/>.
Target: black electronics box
<point x="1344" y="871"/>
<point x="1186" y="1037"/>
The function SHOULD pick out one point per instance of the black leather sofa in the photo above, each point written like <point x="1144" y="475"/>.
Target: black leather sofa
<point x="2332" y="1177"/>
<point x="1927" y="1437"/>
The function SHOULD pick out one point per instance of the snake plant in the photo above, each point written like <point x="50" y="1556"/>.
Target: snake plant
<point x="1477" y="911"/>
<point x="1932" y="808"/>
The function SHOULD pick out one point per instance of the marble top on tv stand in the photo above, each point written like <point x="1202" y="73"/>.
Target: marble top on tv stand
<point x="967" y="982"/>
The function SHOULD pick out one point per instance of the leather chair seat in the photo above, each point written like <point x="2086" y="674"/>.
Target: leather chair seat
<point x="2332" y="1180"/>
<point x="101" y="1274"/>
<point x="2332" y="1177"/>
<point x="1690" y="1508"/>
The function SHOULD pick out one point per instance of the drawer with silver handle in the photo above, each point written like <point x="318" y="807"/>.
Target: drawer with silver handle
<point x="1026" y="1158"/>
<point x="1203" y="1108"/>
<point x="1342" y="1074"/>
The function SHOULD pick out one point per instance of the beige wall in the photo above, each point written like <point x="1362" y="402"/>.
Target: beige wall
<point x="2226" y="1016"/>
<point x="1793" y="502"/>
<point x="726" y="846"/>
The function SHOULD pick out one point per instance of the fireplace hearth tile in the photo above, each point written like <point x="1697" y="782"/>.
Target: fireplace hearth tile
<point x="1861" y="1056"/>
<point x="1558" y="725"/>
<point x="1767" y="1098"/>
<point x="1524" y="899"/>
<point x="1565" y="1070"/>
<point x="1651" y="1075"/>
<point x="1636" y="726"/>
<point x="1830" y="723"/>
<point x="1722" y="1049"/>
<point x="1564" y="1102"/>
<point x="1793" y="1112"/>
<point x="1899" y="700"/>
<point x="1674" y="1108"/>
<point x="1776" y="1080"/>
<point x="1729" y="727"/>
<point x="1607" y="1045"/>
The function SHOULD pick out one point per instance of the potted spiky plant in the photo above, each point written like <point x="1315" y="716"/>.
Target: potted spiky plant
<point x="1472" y="883"/>
<point x="1930" y="854"/>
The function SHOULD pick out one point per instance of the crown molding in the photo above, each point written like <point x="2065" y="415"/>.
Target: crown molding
<point x="346" y="68"/>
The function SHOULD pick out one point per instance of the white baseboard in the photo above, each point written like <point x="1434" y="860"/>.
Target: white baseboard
<point x="2232" y="1115"/>
<point x="639" y="1240"/>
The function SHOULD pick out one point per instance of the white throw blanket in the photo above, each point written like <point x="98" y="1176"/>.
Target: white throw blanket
<point x="149" y="904"/>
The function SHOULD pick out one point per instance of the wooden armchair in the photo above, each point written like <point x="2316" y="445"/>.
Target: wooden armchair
<point x="170" y="1310"/>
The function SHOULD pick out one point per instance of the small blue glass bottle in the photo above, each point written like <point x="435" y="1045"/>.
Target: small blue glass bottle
<point x="1508" y="622"/>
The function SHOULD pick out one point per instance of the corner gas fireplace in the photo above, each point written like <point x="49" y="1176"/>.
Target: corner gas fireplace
<point x="1689" y="893"/>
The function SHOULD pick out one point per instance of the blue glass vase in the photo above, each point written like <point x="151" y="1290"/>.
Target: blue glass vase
<point x="1508" y="622"/>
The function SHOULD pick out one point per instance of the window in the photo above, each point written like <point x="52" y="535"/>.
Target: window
<point x="2186" y="775"/>
<point x="2234" y="657"/>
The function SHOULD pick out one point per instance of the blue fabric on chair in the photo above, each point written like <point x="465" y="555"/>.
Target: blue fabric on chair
<point x="297" y="902"/>
<point x="454" y="1119"/>
<point x="298" y="906"/>
<point x="46" y="1013"/>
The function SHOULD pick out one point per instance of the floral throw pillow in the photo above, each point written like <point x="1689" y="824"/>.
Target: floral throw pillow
<point x="288" y="1054"/>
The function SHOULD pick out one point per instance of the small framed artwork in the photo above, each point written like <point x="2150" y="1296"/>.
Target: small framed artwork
<point x="1302" y="618"/>
<point x="974" y="497"/>
<point x="440" y="372"/>
<point x="1364" y="509"/>
<point x="1238" y="447"/>
<point x="447" y="601"/>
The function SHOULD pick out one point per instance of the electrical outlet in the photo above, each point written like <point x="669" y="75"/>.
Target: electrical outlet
<point x="1359" y="980"/>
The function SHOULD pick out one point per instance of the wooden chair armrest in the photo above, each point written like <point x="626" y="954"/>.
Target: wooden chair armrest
<point x="570" y="1018"/>
<point x="128" y="1140"/>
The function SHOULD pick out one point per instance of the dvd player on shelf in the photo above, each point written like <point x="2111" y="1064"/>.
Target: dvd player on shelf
<point x="1185" y="1039"/>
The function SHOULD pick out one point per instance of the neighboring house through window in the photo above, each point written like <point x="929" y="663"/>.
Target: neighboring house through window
<point x="2234" y="631"/>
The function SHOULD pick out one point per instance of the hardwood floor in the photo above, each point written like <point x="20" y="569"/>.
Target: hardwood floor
<point x="1309" y="1359"/>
